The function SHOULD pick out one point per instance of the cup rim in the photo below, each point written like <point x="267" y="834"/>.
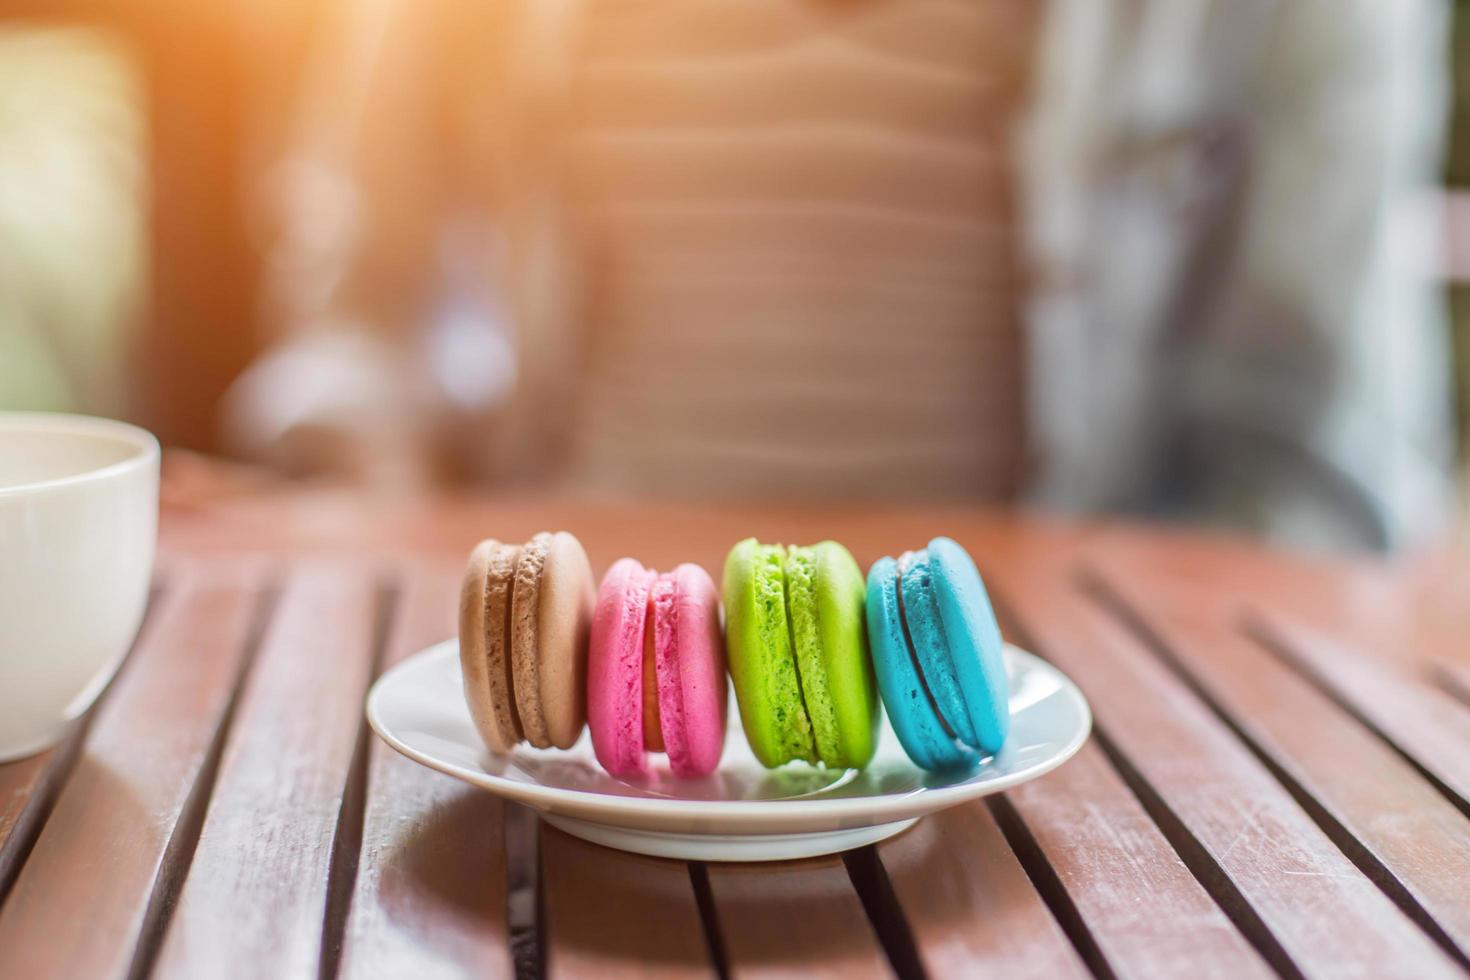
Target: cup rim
<point x="144" y="443"/>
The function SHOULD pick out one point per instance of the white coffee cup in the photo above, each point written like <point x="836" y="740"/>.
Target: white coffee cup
<point x="78" y="524"/>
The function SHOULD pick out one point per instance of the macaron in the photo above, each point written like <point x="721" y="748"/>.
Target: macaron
<point x="525" y="614"/>
<point x="799" y="653"/>
<point x="656" y="671"/>
<point x="937" y="651"/>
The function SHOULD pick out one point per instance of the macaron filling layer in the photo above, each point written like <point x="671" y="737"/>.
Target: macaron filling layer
<point x="915" y="664"/>
<point x="499" y="590"/>
<point x="930" y="644"/>
<point x="668" y="700"/>
<point x="524" y="653"/>
<point x="653" y="736"/>
<point x="806" y="640"/>
<point x="779" y="672"/>
<point x="482" y="634"/>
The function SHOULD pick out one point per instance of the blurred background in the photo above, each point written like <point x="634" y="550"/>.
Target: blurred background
<point x="1186" y="259"/>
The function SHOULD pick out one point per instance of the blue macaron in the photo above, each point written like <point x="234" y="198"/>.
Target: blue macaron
<point x="937" y="654"/>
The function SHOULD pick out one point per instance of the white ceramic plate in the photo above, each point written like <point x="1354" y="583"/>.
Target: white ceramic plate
<point x="743" y="812"/>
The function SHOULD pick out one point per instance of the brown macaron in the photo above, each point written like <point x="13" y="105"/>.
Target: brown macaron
<point x="524" y="617"/>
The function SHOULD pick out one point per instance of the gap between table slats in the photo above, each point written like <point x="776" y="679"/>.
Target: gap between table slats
<point x="1113" y="879"/>
<point x="347" y="838"/>
<point x="258" y="881"/>
<point x="177" y="856"/>
<point x="29" y="787"/>
<point x="1180" y="834"/>
<point x="1229" y="820"/>
<point x="832" y="916"/>
<point x="971" y="905"/>
<point x="1421" y="720"/>
<point x="794" y="918"/>
<point x="1395" y="827"/>
<point x="875" y="890"/>
<point x="81" y="903"/>
<point x="608" y="913"/>
<point x="704" y="900"/>
<point x="1451" y="677"/>
<point x="525" y="892"/>
<point x="1049" y="885"/>
<point x="429" y="896"/>
<point x="611" y="914"/>
<point x="1132" y="869"/>
<point x="987" y="869"/>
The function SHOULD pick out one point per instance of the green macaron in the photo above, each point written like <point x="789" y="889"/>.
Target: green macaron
<point x="798" y="653"/>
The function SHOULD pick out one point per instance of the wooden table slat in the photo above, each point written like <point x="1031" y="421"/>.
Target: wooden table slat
<point x="1402" y="822"/>
<point x="254" y="899"/>
<point x="19" y="782"/>
<point x="609" y="914"/>
<point x="795" y="919"/>
<point x="1427" y="724"/>
<point x="430" y="893"/>
<point x="28" y="786"/>
<point x="1147" y="913"/>
<point x="969" y="904"/>
<point x="1290" y="794"/>
<point x="79" y="905"/>
<point x="1453" y="676"/>
<point x="1325" y="915"/>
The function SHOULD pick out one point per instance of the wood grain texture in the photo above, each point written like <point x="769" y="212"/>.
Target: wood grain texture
<point x="29" y="786"/>
<point x="28" y="790"/>
<point x="1324" y="914"/>
<point x="1417" y="836"/>
<point x="430" y="894"/>
<point x="79" y="905"/>
<point x="19" y="780"/>
<point x="794" y="919"/>
<point x="1360" y="597"/>
<point x="1428" y="724"/>
<point x="1148" y="915"/>
<point x="610" y="914"/>
<point x="1453" y="676"/>
<point x="969" y="903"/>
<point x="1167" y="813"/>
<point x="253" y="903"/>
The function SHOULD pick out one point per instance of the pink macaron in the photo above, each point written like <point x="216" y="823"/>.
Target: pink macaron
<point x="656" y="670"/>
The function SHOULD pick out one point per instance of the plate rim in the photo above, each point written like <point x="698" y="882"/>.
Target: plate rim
<point x="880" y="808"/>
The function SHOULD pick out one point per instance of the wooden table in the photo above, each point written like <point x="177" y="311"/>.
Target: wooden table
<point x="1279" y="781"/>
